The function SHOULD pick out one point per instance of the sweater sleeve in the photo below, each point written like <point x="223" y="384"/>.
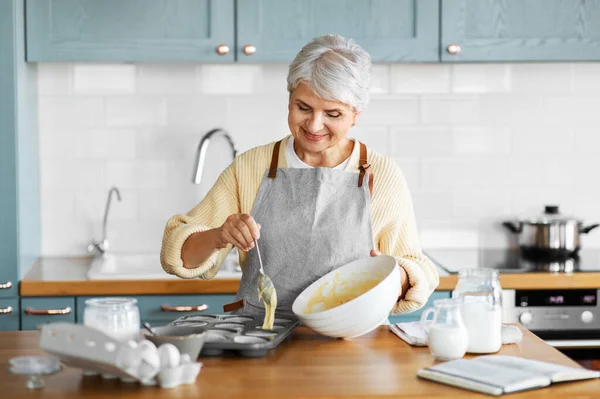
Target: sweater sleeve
<point x="218" y="204"/>
<point x="401" y="240"/>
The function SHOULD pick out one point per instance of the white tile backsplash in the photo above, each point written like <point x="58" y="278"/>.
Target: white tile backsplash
<point x="477" y="143"/>
<point x="419" y="79"/>
<point x="136" y="111"/>
<point x="542" y="78"/>
<point x="587" y="139"/>
<point x="167" y="79"/>
<point x="481" y="78"/>
<point x="586" y="77"/>
<point x="394" y="111"/>
<point x="104" y="79"/>
<point x="450" y="110"/>
<point x="105" y="144"/>
<point x="480" y="140"/>
<point x="421" y="141"/>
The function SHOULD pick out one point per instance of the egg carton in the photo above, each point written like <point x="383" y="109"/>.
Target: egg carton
<point x="96" y="353"/>
<point x="239" y="335"/>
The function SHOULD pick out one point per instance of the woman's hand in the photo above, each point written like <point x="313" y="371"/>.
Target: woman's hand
<point x="239" y="230"/>
<point x="403" y="276"/>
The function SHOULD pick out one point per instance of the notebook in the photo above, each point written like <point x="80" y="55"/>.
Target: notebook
<point x="499" y="374"/>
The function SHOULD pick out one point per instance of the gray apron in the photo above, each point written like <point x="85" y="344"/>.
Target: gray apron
<point x="312" y="221"/>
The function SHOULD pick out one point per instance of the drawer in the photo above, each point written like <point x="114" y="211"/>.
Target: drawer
<point x="9" y="314"/>
<point x="41" y="310"/>
<point x="163" y="309"/>
<point x="416" y="315"/>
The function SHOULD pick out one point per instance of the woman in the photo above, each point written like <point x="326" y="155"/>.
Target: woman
<point x="307" y="199"/>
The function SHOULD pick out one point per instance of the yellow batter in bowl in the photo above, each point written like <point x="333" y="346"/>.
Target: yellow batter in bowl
<point x="337" y="292"/>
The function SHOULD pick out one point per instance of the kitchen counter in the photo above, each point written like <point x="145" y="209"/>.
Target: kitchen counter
<point x="68" y="277"/>
<point x="378" y="364"/>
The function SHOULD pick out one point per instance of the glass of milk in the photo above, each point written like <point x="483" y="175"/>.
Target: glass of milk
<point x="481" y="309"/>
<point x="447" y="336"/>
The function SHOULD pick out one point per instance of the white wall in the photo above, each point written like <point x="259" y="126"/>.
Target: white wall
<point x="478" y="143"/>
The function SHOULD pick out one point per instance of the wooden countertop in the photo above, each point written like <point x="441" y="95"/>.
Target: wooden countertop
<point x="378" y="364"/>
<point x="68" y="277"/>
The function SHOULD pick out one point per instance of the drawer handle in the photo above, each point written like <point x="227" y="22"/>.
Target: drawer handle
<point x="6" y="310"/>
<point x="6" y="285"/>
<point x="48" y="312"/>
<point x="199" y="308"/>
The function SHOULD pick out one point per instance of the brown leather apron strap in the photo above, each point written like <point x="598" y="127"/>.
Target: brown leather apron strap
<point x="274" y="161"/>
<point x="230" y="307"/>
<point x="364" y="167"/>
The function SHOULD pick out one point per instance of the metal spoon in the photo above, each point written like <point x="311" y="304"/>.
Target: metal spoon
<point x="147" y="327"/>
<point x="266" y="292"/>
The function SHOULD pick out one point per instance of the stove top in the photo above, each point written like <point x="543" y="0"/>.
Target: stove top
<point x="511" y="261"/>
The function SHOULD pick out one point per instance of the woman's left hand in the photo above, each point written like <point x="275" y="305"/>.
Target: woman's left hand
<point x="403" y="276"/>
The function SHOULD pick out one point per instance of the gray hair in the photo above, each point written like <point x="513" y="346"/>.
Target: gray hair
<point x="336" y="68"/>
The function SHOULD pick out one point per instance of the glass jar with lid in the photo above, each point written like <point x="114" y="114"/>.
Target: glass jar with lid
<point x="117" y="317"/>
<point x="481" y="296"/>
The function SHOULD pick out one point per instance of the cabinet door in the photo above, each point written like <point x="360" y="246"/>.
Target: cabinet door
<point x="163" y="309"/>
<point x="41" y="310"/>
<point x="9" y="314"/>
<point x="390" y="30"/>
<point x="129" y="30"/>
<point x="521" y="30"/>
<point x="416" y="315"/>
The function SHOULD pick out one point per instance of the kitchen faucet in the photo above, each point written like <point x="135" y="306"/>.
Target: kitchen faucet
<point x="103" y="245"/>
<point x="201" y="159"/>
<point x="203" y="148"/>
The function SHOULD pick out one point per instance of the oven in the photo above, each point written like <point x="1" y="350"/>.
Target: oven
<point x="567" y="319"/>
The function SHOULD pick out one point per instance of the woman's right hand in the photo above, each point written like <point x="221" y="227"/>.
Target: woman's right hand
<point x="239" y="230"/>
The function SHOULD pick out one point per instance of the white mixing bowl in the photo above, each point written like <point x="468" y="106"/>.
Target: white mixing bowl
<point x="361" y="314"/>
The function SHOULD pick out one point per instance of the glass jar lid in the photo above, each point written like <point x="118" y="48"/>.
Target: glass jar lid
<point x="112" y="303"/>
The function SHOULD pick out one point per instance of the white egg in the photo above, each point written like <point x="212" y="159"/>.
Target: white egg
<point x="185" y="359"/>
<point x="169" y="356"/>
<point x="129" y="358"/>
<point x="149" y="354"/>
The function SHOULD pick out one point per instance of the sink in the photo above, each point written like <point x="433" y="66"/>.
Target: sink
<point x="145" y="267"/>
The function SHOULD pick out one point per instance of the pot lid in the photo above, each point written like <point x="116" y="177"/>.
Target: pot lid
<point x="551" y="215"/>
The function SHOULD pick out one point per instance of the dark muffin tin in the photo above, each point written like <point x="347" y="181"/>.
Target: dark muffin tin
<point x="239" y="335"/>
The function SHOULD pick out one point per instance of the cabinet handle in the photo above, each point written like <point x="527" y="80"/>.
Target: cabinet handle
<point x="6" y="310"/>
<point x="222" y="49"/>
<point x="454" y="49"/>
<point x="199" y="308"/>
<point x="249" y="49"/>
<point x="48" y="312"/>
<point x="6" y="285"/>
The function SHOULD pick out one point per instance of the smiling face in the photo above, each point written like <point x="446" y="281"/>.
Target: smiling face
<point x="318" y="126"/>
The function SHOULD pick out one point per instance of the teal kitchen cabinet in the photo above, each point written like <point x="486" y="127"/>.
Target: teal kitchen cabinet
<point x="19" y="165"/>
<point x="41" y="310"/>
<point x="9" y="314"/>
<point x="390" y="30"/>
<point x="163" y="309"/>
<point x="130" y="30"/>
<point x="520" y="30"/>
<point x="416" y="315"/>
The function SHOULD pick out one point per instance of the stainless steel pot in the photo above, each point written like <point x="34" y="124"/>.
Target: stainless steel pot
<point x="549" y="235"/>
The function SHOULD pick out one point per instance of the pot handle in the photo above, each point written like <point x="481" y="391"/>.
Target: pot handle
<point x="585" y="230"/>
<point x="512" y="227"/>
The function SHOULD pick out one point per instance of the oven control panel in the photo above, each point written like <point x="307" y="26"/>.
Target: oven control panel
<point x="558" y="310"/>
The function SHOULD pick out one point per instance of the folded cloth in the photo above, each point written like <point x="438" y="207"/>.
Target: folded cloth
<point x="414" y="334"/>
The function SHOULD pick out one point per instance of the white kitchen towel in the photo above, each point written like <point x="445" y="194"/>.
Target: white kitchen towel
<point x="413" y="334"/>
